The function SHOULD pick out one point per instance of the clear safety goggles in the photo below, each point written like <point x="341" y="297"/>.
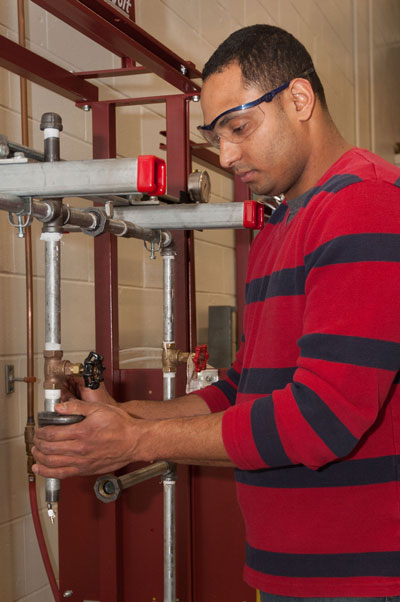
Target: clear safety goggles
<point x="236" y="124"/>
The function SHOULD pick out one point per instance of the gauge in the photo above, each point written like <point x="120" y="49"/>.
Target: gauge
<point x="199" y="186"/>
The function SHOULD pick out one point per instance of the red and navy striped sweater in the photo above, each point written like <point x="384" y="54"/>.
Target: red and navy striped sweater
<point x="312" y="401"/>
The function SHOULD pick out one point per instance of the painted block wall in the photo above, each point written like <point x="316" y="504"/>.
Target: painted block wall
<point x="356" y="48"/>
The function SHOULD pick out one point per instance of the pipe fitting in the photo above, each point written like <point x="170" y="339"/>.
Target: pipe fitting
<point x="53" y="221"/>
<point x="51" y="121"/>
<point x="53" y="369"/>
<point x="28" y="436"/>
<point x="100" y="222"/>
<point x="167" y="242"/>
<point x="56" y="369"/>
<point x="108" y="488"/>
<point x="172" y="357"/>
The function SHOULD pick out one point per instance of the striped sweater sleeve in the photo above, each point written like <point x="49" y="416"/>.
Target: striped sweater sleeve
<point x="349" y="350"/>
<point x="222" y="395"/>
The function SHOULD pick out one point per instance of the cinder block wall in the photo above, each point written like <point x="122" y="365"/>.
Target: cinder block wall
<point x="356" y="47"/>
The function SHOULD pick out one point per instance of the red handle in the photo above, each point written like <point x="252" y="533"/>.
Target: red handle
<point x="200" y="357"/>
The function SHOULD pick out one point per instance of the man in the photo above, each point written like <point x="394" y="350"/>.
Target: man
<point x="310" y="411"/>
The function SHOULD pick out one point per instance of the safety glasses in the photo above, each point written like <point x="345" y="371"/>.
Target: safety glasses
<point x="236" y="124"/>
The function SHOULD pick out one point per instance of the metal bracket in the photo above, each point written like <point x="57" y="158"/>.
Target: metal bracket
<point x="4" y="148"/>
<point x="26" y="212"/>
<point x="154" y="248"/>
<point x="21" y="225"/>
<point x="10" y="379"/>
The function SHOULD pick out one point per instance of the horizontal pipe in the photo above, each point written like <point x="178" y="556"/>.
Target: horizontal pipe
<point x="108" y="488"/>
<point x="70" y="178"/>
<point x="185" y="217"/>
<point x="86" y="220"/>
<point x="30" y="153"/>
<point x="143" y="474"/>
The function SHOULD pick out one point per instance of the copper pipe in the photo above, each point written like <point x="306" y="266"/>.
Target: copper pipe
<point x="41" y="541"/>
<point x="28" y="237"/>
<point x="23" y="86"/>
<point x="30" y="379"/>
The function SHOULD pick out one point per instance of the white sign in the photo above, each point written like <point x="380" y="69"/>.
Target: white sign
<point x="124" y="6"/>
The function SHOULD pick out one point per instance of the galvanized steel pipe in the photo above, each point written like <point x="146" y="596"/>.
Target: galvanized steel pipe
<point x="199" y="216"/>
<point x="169" y="480"/>
<point x="71" y="178"/>
<point x="86" y="220"/>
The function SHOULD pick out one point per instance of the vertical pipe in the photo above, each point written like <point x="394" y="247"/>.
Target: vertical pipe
<point x="30" y="420"/>
<point x="356" y="74"/>
<point x="52" y="335"/>
<point x="53" y="294"/>
<point x="371" y="74"/>
<point x="169" y="480"/>
<point x="168" y="256"/>
<point x="51" y="125"/>
<point x="169" y="484"/>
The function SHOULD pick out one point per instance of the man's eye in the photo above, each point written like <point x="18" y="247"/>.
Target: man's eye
<point x="239" y="129"/>
<point x="215" y="141"/>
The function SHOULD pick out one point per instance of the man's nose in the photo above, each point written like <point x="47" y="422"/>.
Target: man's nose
<point x="229" y="153"/>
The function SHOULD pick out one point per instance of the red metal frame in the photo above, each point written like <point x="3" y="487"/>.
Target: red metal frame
<point x="105" y="25"/>
<point x="39" y="70"/>
<point x="113" y="552"/>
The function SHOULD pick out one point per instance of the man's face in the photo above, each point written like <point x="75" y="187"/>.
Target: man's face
<point x="266" y="159"/>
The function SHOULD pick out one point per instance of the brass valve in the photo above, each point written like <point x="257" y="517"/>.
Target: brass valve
<point x="56" y="369"/>
<point x="173" y="357"/>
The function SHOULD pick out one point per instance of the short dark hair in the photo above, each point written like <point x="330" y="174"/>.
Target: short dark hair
<point x="268" y="57"/>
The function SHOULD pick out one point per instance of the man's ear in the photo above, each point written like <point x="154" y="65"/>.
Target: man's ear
<point x="302" y="97"/>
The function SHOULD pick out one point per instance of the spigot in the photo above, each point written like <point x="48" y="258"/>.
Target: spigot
<point x="173" y="357"/>
<point x="93" y="370"/>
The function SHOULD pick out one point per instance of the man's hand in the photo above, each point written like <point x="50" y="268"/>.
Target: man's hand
<point x="103" y="442"/>
<point x="109" y="438"/>
<point x="75" y="387"/>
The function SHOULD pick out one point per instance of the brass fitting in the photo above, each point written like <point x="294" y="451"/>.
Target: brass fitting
<point x="73" y="369"/>
<point x="172" y="357"/>
<point x="28" y="435"/>
<point x="56" y="369"/>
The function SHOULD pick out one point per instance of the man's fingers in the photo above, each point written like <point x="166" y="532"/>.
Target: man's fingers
<point x="59" y="473"/>
<point x="65" y="447"/>
<point x="74" y="406"/>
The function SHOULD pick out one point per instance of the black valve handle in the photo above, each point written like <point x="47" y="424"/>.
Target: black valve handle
<point x="93" y="370"/>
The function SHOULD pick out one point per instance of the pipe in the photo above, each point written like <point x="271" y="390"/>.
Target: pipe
<point x="169" y="480"/>
<point x="74" y="178"/>
<point x="356" y="75"/>
<point x="53" y="294"/>
<point x="92" y="221"/>
<point x="108" y="488"/>
<point x="168" y="256"/>
<point x="30" y="420"/>
<point x="169" y="485"/>
<point x="42" y="544"/>
<point x="30" y="424"/>
<point x="51" y="235"/>
<point x="371" y="74"/>
<point x="192" y="216"/>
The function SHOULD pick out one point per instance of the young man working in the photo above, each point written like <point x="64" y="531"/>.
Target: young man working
<point x="310" y="411"/>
